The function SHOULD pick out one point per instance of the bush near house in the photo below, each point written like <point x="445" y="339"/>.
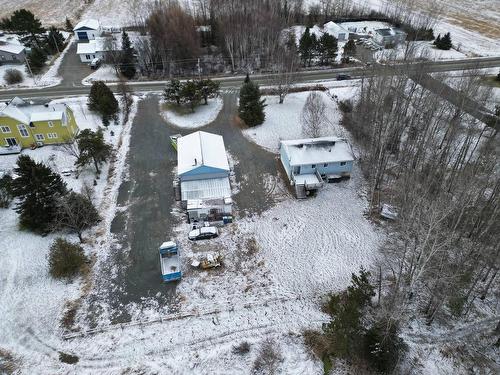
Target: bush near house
<point x="6" y="194"/>
<point x="13" y="76"/>
<point x="66" y="259"/>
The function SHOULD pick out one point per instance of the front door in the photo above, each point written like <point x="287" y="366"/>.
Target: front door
<point x="11" y="141"/>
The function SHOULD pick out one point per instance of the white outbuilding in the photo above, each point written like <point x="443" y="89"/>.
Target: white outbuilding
<point x="87" y="29"/>
<point x="341" y="34"/>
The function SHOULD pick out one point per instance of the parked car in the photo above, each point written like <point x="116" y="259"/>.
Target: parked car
<point x="95" y="63"/>
<point x="343" y="77"/>
<point x="203" y="233"/>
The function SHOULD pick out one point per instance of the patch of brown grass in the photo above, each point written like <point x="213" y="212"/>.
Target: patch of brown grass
<point x="8" y="363"/>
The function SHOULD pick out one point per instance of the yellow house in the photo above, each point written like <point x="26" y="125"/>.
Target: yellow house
<point x="28" y="125"/>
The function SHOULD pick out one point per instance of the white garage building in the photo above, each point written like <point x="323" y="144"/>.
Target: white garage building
<point x="88" y="29"/>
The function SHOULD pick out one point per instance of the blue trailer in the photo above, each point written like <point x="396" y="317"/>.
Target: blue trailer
<point x="170" y="261"/>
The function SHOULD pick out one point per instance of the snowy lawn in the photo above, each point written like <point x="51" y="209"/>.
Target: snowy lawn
<point x="105" y="73"/>
<point x="283" y="121"/>
<point x="184" y="118"/>
<point x="425" y="50"/>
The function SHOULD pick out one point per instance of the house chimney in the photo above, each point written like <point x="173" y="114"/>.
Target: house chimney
<point x="195" y="161"/>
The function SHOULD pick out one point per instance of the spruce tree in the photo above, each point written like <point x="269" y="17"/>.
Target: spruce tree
<point x="305" y="45"/>
<point x="24" y="22"/>
<point x="190" y="93"/>
<point x="251" y="107"/>
<point x="127" y="60"/>
<point x="437" y="41"/>
<point x="37" y="188"/>
<point x="68" y="25"/>
<point x="102" y="101"/>
<point x="349" y="51"/>
<point x="445" y="43"/>
<point x="327" y="48"/>
<point x="55" y="40"/>
<point x="208" y="89"/>
<point x="172" y="91"/>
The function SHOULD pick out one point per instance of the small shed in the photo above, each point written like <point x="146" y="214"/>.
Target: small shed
<point x="87" y="29"/>
<point x="11" y="52"/>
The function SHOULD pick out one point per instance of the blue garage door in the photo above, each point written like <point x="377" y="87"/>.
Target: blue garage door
<point x="82" y="35"/>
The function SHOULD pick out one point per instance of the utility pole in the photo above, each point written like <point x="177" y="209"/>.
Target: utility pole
<point x="55" y="42"/>
<point x="29" y="69"/>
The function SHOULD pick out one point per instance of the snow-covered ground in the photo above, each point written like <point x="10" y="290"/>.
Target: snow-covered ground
<point x="31" y="302"/>
<point x="421" y="50"/>
<point x="202" y="115"/>
<point x="105" y="73"/>
<point x="283" y="120"/>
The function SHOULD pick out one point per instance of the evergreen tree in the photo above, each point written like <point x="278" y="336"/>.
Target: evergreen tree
<point x="127" y="60"/>
<point x="6" y="195"/>
<point x="208" y="89"/>
<point x="102" y="101"/>
<point x="251" y="107"/>
<point x="498" y="77"/>
<point x="190" y="93"/>
<point x="66" y="259"/>
<point x="55" y="40"/>
<point x="92" y="149"/>
<point x="445" y="42"/>
<point x="327" y="48"/>
<point x="315" y="48"/>
<point x="305" y="46"/>
<point x="68" y="25"/>
<point x="75" y="212"/>
<point x="172" y="92"/>
<point x="24" y="22"/>
<point x="437" y="41"/>
<point x="37" y="188"/>
<point x="36" y="59"/>
<point x="349" y="51"/>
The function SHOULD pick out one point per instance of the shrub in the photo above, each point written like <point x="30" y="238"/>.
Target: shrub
<point x="242" y="348"/>
<point x="13" y="76"/>
<point x="65" y="259"/>
<point x="68" y="358"/>
<point x="268" y="359"/>
<point x="345" y="106"/>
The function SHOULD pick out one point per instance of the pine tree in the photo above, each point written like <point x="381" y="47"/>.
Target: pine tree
<point x="445" y="42"/>
<point x="102" y="101"/>
<point x="24" y="22"/>
<point x="92" y="149"/>
<point x="498" y="77"/>
<point x="37" y="188"/>
<point x="127" y="60"/>
<point x="36" y="59"/>
<point x="172" y="91"/>
<point x="190" y="93"/>
<point x="68" y="25"/>
<point x="251" y="107"/>
<point x="208" y="89"/>
<point x="327" y="48"/>
<point x="55" y="40"/>
<point x="315" y="47"/>
<point x="437" y="41"/>
<point x="305" y="45"/>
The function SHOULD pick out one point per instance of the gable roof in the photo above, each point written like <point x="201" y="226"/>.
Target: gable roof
<point x="201" y="149"/>
<point x="317" y="150"/>
<point x="87" y="24"/>
<point x="333" y="28"/>
<point x="15" y="49"/>
<point x="24" y="112"/>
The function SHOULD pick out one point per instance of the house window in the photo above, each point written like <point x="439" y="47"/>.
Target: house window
<point x="51" y="135"/>
<point x="313" y="166"/>
<point x="11" y="141"/>
<point x="87" y="57"/>
<point x="325" y="165"/>
<point x="343" y="163"/>
<point x="23" y="131"/>
<point x="39" y="137"/>
<point x="51" y="124"/>
<point x="5" y="129"/>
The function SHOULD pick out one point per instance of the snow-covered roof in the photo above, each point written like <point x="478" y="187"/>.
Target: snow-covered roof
<point x="86" y="48"/>
<point x="11" y="48"/>
<point x="213" y="188"/>
<point x="99" y="44"/>
<point x="87" y="24"/>
<point x="24" y="112"/>
<point x="334" y="29"/>
<point x="317" y="150"/>
<point x="168" y="245"/>
<point x="201" y="149"/>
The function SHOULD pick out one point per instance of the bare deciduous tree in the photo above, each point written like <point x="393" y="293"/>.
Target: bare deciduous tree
<point x="313" y="115"/>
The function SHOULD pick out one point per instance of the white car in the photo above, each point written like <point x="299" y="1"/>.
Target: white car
<point x="203" y="233"/>
<point x="95" y="63"/>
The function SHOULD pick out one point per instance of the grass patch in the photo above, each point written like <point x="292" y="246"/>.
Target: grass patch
<point x="68" y="358"/>
<point x="491" y="81"/>
<point x="178" y="109"/>
<point x="8" y="363"/>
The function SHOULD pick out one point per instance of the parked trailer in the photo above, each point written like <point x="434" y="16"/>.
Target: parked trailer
<point x="170" y="261"/>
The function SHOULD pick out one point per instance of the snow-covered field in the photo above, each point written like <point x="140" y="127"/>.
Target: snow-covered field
<point x="421" y="50"/>
<point x="203" y="115"/>
<point x="105" y="73"/>
<point x="283" y="120"/>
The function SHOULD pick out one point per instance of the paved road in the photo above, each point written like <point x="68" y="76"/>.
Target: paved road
<point x="235" y="81"/>
<point x="147" y="199"/>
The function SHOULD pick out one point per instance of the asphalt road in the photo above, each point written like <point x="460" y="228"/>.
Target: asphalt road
<point x="235" y="81"/>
